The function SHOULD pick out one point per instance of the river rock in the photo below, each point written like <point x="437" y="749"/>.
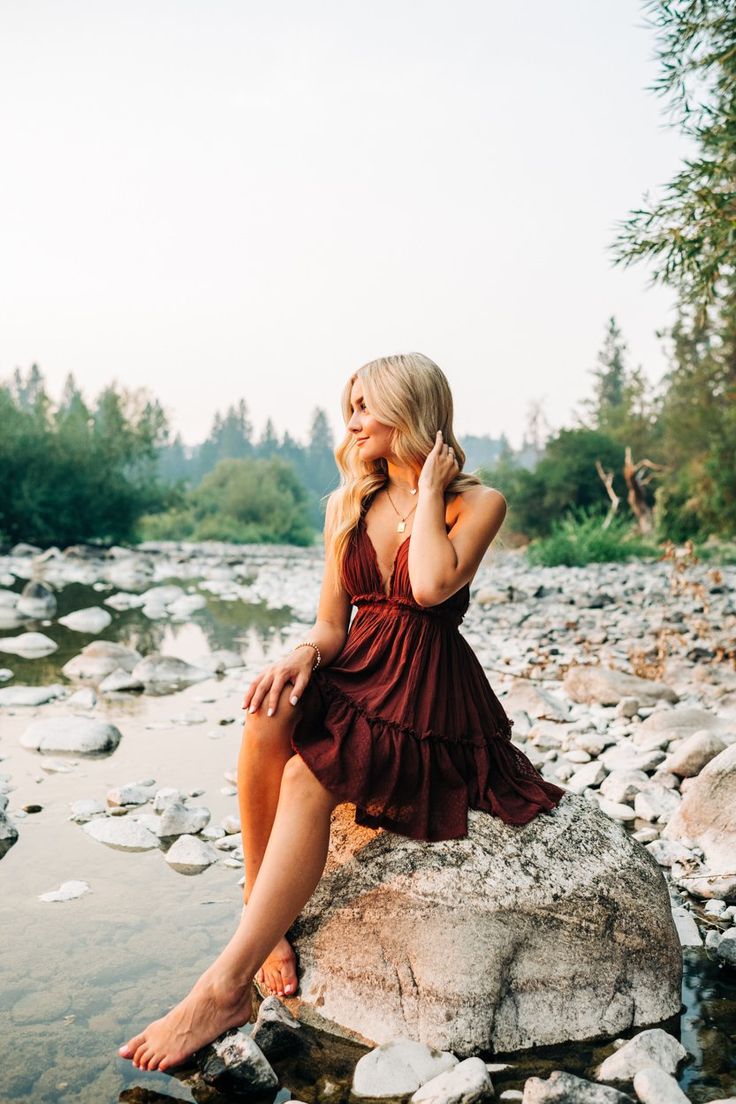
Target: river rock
<point x="566" y="1088"/>
<point x="37" y="600"/>
<point x="677" y="724"/>
<point x="67" y="891"/>
<point x="190" y="855"/>
<point x="179" y="820"/>
<point x="706" y="817"/>
<point x="616" y="810"/>
<point x="649" y="1048"/>
<point x="164" y="674"/>
<point x="398" y="1067"/>
<point x="689" y="757"/>
<point x="465" y="1083"/>
<point x="606" y="686"/>
<point x="449" y="942"/>
<point x="276" y="1031"/>
<point x="85" y="809"/>
<point x="592" y="774"/>
<point x="121" y="833"/>
<point x="656" y="803"/>
<point x="119" y="680"/>
<point x="30" y="695"/>
<point x="98" y="659"/>
<point x="625" y="756"/>
<point x="653" y="1086"/>
<point x="162" y="595"/>
<point x="83" y="698"/>
<point x="31" y="645"/>
<point x="524" y="697"/>
<point x="235" y="1063"/>
<point x="130" y="574"/>
<point x="76" y="735"/>
<point x="8" y="834"/>
<point x="687" y="929"/>
<point x="622" y="786"/>
<point x="131" y="793"/>
<point x="166" y="796"/>
<point x="93" y="619"/>
<point x="726" y="949"/>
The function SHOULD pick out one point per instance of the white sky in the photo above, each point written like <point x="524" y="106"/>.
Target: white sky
<point x="230" y="198"/>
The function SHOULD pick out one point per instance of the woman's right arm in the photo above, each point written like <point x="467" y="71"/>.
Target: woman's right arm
<point x="330" y="630"/>
<point x="329" y="633"/>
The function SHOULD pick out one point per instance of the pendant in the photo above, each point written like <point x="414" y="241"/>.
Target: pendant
<point x="401" y="526"/>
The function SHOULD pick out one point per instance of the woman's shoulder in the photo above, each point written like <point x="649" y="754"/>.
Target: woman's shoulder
<point x="472" y="498"/>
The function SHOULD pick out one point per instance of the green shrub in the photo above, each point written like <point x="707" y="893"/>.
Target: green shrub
<point x="579" y="538"/>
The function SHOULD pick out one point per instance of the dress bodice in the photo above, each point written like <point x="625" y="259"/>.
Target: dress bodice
<point x="365" y="583"/>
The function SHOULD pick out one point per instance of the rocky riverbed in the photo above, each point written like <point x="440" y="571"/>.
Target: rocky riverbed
<point x="121" y="679"/>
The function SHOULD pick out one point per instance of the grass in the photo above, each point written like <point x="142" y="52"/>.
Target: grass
<point x="578" y="539"/>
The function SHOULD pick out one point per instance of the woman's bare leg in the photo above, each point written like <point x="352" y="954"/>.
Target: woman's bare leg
<point x="292" y="866"/>
<point x="264" y="752"/>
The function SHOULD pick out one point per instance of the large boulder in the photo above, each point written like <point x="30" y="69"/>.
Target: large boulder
<point x="607" y="686"/>
<point x="509" y="938"/>
<point x="706" y="817"/>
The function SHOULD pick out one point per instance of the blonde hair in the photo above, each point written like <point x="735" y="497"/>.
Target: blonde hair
<point x="410" y="393"/>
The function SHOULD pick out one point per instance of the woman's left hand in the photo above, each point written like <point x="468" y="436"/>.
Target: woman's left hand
<point x="440" y="467"/>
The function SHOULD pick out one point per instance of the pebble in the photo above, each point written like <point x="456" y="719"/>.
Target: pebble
<point x="67" y="891"/>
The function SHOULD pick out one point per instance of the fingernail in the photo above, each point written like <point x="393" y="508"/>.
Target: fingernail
<point x="293" y="699"/>
<point x="269" y="712"/>
<point x="252" y="709"/>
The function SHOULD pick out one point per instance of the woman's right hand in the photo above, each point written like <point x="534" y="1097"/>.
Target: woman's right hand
<point x="294" y="669"/>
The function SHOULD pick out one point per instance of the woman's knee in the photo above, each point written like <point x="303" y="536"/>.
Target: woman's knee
<point x="262" y="733"/>
<point x="299" y="777"/>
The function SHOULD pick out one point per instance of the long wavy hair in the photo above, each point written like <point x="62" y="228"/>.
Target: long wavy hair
<point x="410" y="393"/>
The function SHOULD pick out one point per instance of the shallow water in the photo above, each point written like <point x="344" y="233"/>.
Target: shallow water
<point x="78" y="978"/>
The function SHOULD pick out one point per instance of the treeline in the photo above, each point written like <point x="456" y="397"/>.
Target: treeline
<point x="235" y="487"/>
<point x="73" y="472"/>
<point x="663" y="456"/>
<point x="109" y="471"/>
<point x="667" y="454"/>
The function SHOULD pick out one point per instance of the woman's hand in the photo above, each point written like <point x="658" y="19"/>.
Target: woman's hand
<point x="440" y="467"/>
<point x="295" y="668"/>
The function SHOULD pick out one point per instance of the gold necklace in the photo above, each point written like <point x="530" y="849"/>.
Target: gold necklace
<point x="401" y="526"/>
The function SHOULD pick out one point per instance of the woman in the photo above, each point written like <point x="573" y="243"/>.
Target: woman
<point x="395" y="715"/>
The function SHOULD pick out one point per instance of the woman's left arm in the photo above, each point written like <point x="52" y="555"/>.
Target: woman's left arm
<point x="440" y="563"/>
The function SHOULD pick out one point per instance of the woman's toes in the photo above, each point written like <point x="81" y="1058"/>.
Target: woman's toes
<point x="290" y="979"/>
<point x="273" y="980"/>
<point x="127" y="1050"/>
<point x="140" y="1051"/>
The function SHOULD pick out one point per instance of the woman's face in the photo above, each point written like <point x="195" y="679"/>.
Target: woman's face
<point x="373" y="437"/>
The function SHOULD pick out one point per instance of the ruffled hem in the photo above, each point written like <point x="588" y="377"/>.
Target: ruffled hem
<point x="416" y="784"/>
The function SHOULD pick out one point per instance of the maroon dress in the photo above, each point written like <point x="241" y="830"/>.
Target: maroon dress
<point x="404" y="723"/>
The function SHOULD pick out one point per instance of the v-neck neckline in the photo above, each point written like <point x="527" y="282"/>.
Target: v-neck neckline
<point x="387" y="593"/>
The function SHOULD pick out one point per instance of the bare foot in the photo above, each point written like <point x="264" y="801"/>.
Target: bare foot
<point x="278" y="972"/>
<point x="211" y="1007"/>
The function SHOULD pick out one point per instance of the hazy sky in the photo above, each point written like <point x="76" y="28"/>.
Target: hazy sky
<point x="229" y="198"/>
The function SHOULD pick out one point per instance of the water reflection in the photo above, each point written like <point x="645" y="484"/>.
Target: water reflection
<point x="221" y="624"/>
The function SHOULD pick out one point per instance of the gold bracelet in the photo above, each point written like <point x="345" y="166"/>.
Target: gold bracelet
<point x="308" y="643"/>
